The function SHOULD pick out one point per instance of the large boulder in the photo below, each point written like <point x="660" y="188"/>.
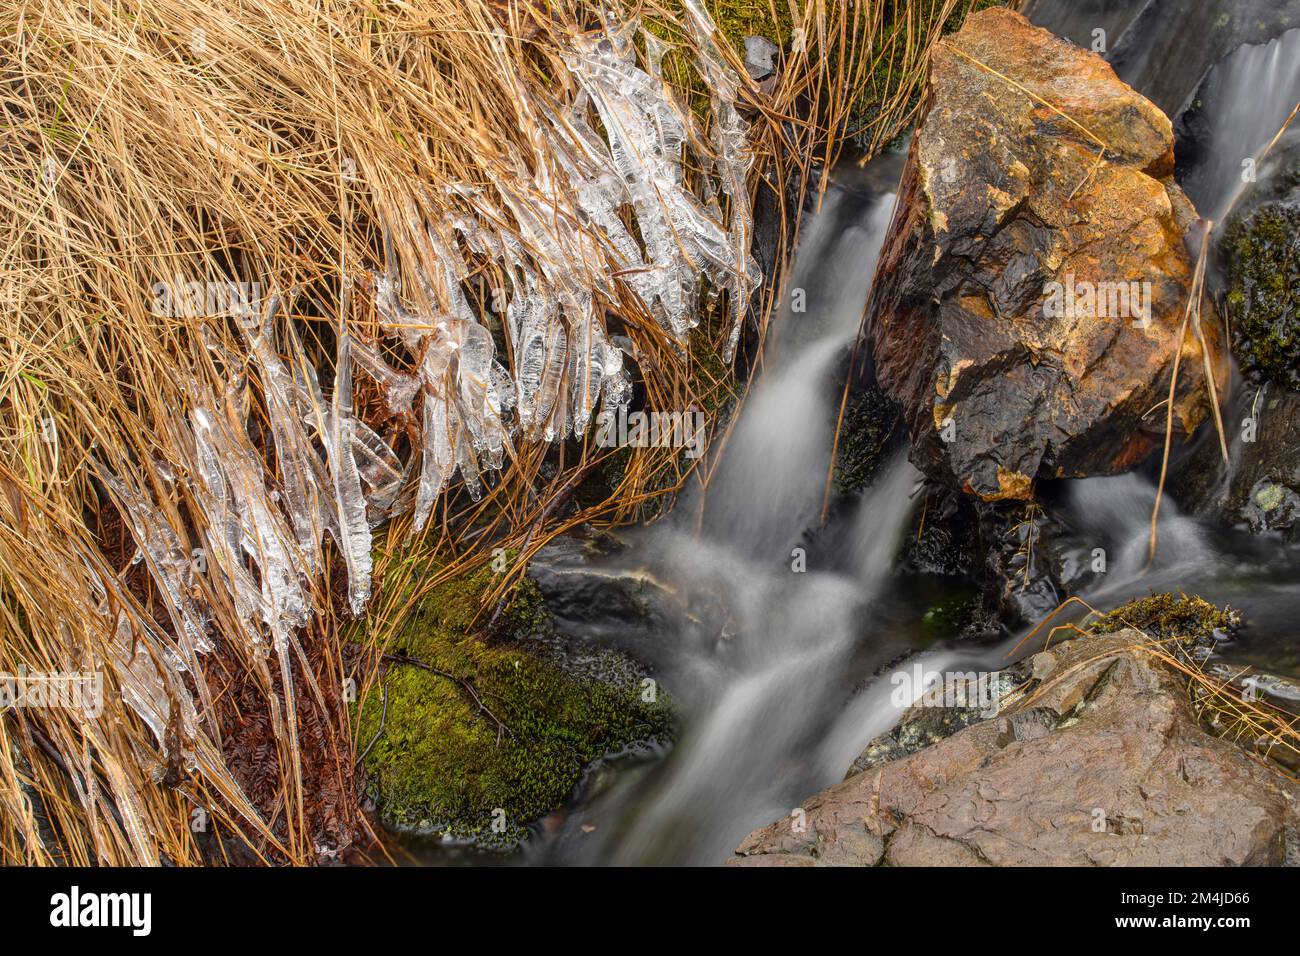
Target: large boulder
<point x="1097" y="760"/>
<point x="1031" y="289"/>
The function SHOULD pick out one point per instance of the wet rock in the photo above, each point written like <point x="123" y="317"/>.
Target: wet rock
<point x="1028" y="298"/>
<point x="760" y="57"/>
<point x="1021" y="558"/>
<point x="1078" y="20"/>
<point x="1280" y="691"/>
<point x="1259" y="254"/>
<point x="1271" y="507"/>
<point x="1021" y="563"/>
<point x="945" y="537"/>
<point x="1260" y="249"/>
<point x="1104" y="763"/>
<point x="1260" y="487"/>
<point x="589" y="590"/>
<point x="924" y="726"/>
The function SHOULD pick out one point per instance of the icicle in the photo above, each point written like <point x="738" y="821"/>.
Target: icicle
<point x="438" y="460"/>
<point x="296" y="458"/>
<point x="170" y="565"/>
<point x="380" y="469"/>
<point x="732" y="159"/>
<point x="398" y="389"/>
<point x="145" y="690"/>
<point x="354" y="529"/>
<point x="564" y="365"/>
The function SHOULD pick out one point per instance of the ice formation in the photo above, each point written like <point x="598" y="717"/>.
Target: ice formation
<point x="617" y="144"/>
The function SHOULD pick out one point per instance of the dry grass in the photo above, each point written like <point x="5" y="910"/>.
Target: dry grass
<point x="275" y="142"/>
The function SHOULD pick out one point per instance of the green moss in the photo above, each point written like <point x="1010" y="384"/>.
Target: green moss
<point x="442" y="763"/>
<point x="711" y="377"/>
<point x="1270" y="497"/>
<point x="738" y="19"/>
<point x="1263" y="295"/>
<point x="1189" y="620"/>
<point x="771" y="19"/>
<point x="890" y="58"/>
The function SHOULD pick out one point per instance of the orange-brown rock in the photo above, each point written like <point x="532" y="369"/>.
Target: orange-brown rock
<point x="1032" y="285"/>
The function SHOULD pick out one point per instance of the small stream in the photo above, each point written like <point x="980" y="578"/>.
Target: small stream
<point x="778" y="707"/>
<point x="783" y="624"/>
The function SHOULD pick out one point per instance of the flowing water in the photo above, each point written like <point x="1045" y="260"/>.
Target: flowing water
<point x="761" y="684"/>
<point x="776" y="672"/>
<point x="783" y="628"/>
<point x="1247" y="98"/>
<point x="781" y="696"/>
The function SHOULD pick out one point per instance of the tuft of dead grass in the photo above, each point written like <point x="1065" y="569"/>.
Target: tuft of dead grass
<point x="292" y="145"/>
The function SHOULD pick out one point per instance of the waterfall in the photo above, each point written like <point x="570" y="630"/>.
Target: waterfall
<point x="778" y="649"/>
<point x="758" y="699"/>
<point x="1245" y="100"/>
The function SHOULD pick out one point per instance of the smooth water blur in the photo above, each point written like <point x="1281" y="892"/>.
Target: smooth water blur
<point x="1076" y="20"/>
<point x="1249" y="95"/>
<point x="774" y="672"/>
<point x="769" y="485"/>
<point x="764" y="681"/>
<point x="1257" y="575"/>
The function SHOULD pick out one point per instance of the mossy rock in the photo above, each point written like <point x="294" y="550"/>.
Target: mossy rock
<point x="1188" y="620"/>
<point x="443" y="764"/>
<point x="1263" y="290"/>
<point x="870" y="421"/>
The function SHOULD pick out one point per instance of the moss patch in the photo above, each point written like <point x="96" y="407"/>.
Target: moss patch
<point x="1263" y="295"/>
<point x="771" y="19"/>
<point x="890" y="57"/>
<point x="870" y="420"/>
<point x="443" y="764"/>
<point x="1176" y="617"/>
<point x="738" y="19"/>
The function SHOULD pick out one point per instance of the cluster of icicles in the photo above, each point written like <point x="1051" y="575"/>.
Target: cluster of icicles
<point x="263" y="538"/>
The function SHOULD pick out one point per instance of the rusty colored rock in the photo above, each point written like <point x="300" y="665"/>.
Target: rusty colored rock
<point x="1101" y="761"/>
<point x="1031" y="289"/>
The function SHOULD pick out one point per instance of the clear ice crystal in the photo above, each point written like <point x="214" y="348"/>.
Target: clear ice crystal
<point x="573" y="246"/>
<point x="569" y="256"/>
